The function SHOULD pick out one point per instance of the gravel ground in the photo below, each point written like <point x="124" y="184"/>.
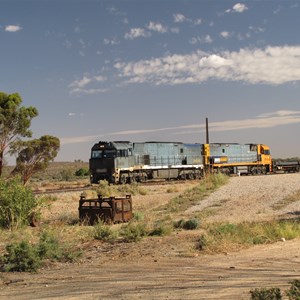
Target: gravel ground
<point x="252" y="198"/>
<point x="168" y="267"/>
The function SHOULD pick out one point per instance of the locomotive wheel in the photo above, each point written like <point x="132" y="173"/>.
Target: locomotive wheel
<point x="123" y="179"/>
<point x="183" y="176"/>
<point x="131" y="179"/>
<point x="191" y="176"/>
<point x="144" y="178"/>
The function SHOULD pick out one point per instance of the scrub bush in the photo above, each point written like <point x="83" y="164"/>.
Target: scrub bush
<point x="23" y="256"/>
<point x="294" y="291"/>
<point x="82" y="172"/>
<point x="190" y="224"/>
<point x="104" y="232"/>
<point x="20" y="257"/>
<point x="133" y="232"/>
<point x="266" y="294"/>
<point x="17" y="204"/>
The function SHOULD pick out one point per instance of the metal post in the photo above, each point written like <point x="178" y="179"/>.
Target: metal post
<point x="207" y="134"/>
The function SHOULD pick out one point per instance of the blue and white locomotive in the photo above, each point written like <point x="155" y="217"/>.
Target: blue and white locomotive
<point x="126" y="162"/>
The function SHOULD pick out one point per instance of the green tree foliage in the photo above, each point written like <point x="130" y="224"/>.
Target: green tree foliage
<point x="35" y="155"/>
<point x="17" y="204"/>
<point x="82" y="172"/>
<point x="15" y="121"/>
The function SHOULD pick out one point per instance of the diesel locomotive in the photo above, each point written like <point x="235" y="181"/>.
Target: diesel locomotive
<point x="127" y="162"/>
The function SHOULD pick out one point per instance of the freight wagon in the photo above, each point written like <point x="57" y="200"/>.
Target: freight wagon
<point x="286" y="166"/>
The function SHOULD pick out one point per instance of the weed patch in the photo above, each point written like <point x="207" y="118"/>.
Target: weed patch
<point x="18" y="205"/>
<point x="105" y="233"/>
<point x="20" y="257"/>
<point x="107" y="190"/>
<point x="133" y="232"/>
<point x="190" y="224"/>
<point x="223" y="236"/>
<point x="274" y="293"/>
<point x="194" y="195"/>
<point x="24" y="256"/>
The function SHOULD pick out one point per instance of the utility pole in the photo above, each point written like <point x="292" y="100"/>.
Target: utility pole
<point x="207" y="134"/>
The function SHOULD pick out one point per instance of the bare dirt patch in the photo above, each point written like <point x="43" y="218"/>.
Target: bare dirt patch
<point x="170" y="267"/>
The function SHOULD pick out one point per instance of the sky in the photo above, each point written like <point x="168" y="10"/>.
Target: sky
<point x="153" y="70"/>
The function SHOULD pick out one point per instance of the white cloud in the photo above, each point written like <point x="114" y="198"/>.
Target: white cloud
<point x="271" y="65"/>
<point x="80" y="86"/>
<point x="175" y="30"/>
<point x="238" y="8"/>
<point x="136" y="33"/>
<point x="198" y="22"/>
<point x="225" y="34"/>
<point x="256" y="29"/>
<point x="12" y="28"/>
<point x="81" y="83"/>
<point x="112" y="41"/>
<point x="266" y="120"/>
<point x="280" y="113"/>
<point x="204" y="40"/>
<point x="207" y="39"/>
<point x="179" y="18"/>
<point x="157" y="27"/>
<point x="100" y="78"/>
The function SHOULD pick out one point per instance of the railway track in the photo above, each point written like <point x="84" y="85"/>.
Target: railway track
<point x="147" y="183"/>
<point x="94" y="186"/>
<point x="63" y="190"/>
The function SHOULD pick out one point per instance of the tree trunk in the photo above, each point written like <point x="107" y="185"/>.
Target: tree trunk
<point x="1" y="162"/>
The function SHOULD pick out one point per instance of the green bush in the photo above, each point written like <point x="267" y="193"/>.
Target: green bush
<point x="17" y="204"/>
<point x="104" y="232"/>
<point x="50" y="247"/>
<point x="190" y="224"/>
<point x="133" y="232"/>
<point x="266" y="294"/>
<point x="250" y="233"/>
<point x="24" y="256"/>
<point x="138" y="216"/>
<point x="20" y="257"/>
<point x="161" y="229"/>
<point x="107" y="190"/>
<point x="66" y="175"/>
<point x="294" y="291"/>
<point x="201" y="243"/>
<point x="82" y="172"/>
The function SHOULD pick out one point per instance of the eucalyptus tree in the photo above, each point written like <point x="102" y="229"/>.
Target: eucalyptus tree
<point x="15" y="121"/>
<point x="34" y="155"/>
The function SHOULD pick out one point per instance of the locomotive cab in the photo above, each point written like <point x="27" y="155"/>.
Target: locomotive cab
<point x="264" y="156"/>
<point x="107" y="158"/>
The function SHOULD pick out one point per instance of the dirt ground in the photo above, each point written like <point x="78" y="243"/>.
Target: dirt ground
<point x="169" y="267"/>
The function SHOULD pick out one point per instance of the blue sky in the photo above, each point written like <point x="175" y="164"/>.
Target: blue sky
<point x="142" y="70"/>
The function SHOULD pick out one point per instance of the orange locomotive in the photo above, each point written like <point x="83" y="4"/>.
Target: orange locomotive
<point x="237" y="158"/>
